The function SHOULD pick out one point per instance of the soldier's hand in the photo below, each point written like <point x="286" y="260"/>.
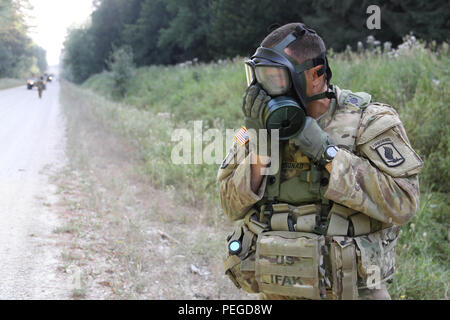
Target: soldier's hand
<point x="254" y="102"/>
<point x="312" y="140"/>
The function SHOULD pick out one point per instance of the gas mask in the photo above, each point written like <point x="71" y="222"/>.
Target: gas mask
<point x="284" y="80"/>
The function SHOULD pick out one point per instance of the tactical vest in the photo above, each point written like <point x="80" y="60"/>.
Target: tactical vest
<point x="295" y="242"/>
<point x="300" y="185"/>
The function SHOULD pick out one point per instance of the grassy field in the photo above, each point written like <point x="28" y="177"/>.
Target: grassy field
<point x="6" y="83"/>
<point x="127" y="239"/>
<point x="414" y="80"/>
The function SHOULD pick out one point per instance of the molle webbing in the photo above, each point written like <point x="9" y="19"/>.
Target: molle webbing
<point x="272" y="191"/>
<point x="287" y="263"/>
<point x="344" y="270"/>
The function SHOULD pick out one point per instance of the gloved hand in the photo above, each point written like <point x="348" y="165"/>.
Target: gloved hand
<point x="313" y="141"/>
<point x="254" y="102"/>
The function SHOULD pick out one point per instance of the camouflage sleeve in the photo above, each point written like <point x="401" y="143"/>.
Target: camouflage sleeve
<point x="236" y="195"/>
<point x="382" y="182"/>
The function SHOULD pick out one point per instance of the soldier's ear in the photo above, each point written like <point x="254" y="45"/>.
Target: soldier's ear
<point x="318" y="72"/>
<point x="315" y="76"/>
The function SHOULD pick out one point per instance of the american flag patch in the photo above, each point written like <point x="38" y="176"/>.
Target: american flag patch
<point x="241" y="136"/>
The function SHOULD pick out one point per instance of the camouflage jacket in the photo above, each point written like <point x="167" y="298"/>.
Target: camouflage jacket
<point x="40" y="84"/>
<point x="375" y="171"/>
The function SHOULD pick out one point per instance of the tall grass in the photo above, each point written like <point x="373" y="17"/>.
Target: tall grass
<point x="414" y="80"/>
<point x="6" y="83"/>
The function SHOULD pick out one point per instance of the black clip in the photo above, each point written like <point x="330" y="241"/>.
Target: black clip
<point x="268" y="210"/>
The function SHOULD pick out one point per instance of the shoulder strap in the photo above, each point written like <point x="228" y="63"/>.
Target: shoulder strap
<point x="272" y="191"/>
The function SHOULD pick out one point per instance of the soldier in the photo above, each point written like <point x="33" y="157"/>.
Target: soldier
<point x="40" y="85"/>
<point x="325" y="225"/>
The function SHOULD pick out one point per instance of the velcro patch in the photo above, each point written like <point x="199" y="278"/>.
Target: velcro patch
<point x="242" y="136"/>
<point x="389" y="153"/>
<point x="353" y="99"/>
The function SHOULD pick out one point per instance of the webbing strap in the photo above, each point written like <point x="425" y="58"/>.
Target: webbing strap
<point x="273" y="186"/>
<point x="306" y="223"/>
<point x="344" y="269"/>
<point x="236" y="235"/>
<point x="349" y="278"/>
<point x="307" y="272"/>
<point x="280" y="222"/>
<point x="254" y="225"/>
<point x="304" y="252"/>
<point x="246" y="242"/>
<point x="230" y="262"/>
<point x="337" y="226"/>
<point x="325" y="94"/>
<point x="285" y="42"/>
<point x="361" y="224"/>
<point x="272" y="191"/>
<point x="302" y="291"/>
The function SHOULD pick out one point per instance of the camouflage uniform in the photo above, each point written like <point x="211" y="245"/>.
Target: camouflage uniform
<point x="372" y="190"/>
<point x="40" y="87"/>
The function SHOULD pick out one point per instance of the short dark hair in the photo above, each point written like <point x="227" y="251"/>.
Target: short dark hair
<point x="307" y="47"/>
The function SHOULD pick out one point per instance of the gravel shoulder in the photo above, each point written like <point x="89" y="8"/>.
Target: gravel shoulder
<point x="127" y="238"/>
<point x="32" y="142"/>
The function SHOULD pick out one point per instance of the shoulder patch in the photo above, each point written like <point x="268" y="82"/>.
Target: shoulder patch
<point x="358" y="100"/>
<point x="241" y="136"/>
<point x="392" y="153"/>
<point x="353" y="100"/>
<point x="388" y="152"/>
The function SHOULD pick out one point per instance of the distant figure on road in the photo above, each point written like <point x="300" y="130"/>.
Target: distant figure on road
<point x="40" y="86"/>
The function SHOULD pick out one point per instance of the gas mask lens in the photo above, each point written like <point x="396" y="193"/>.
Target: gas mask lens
<point x="249" y="73"/>
<point x="274" y="80"/>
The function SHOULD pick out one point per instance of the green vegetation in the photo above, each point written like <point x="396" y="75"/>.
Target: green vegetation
<point x="173" y="31"/>
<point x="413" y="79"/>
<point x="6" y="83"/>
<point x="414" y="82"/>
<point x="423" y="252"/>
<point x="19" y="56"/>
<point x="122" y="69"/>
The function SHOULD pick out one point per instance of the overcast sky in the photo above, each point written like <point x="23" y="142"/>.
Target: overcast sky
<point x="51" y="19"/>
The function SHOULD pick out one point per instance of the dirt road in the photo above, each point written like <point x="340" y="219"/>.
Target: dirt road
<point x="31" y="141"/>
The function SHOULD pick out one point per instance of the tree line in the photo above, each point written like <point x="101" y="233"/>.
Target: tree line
<point x="172" y="31"/>
<point x="19" y="56"/>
